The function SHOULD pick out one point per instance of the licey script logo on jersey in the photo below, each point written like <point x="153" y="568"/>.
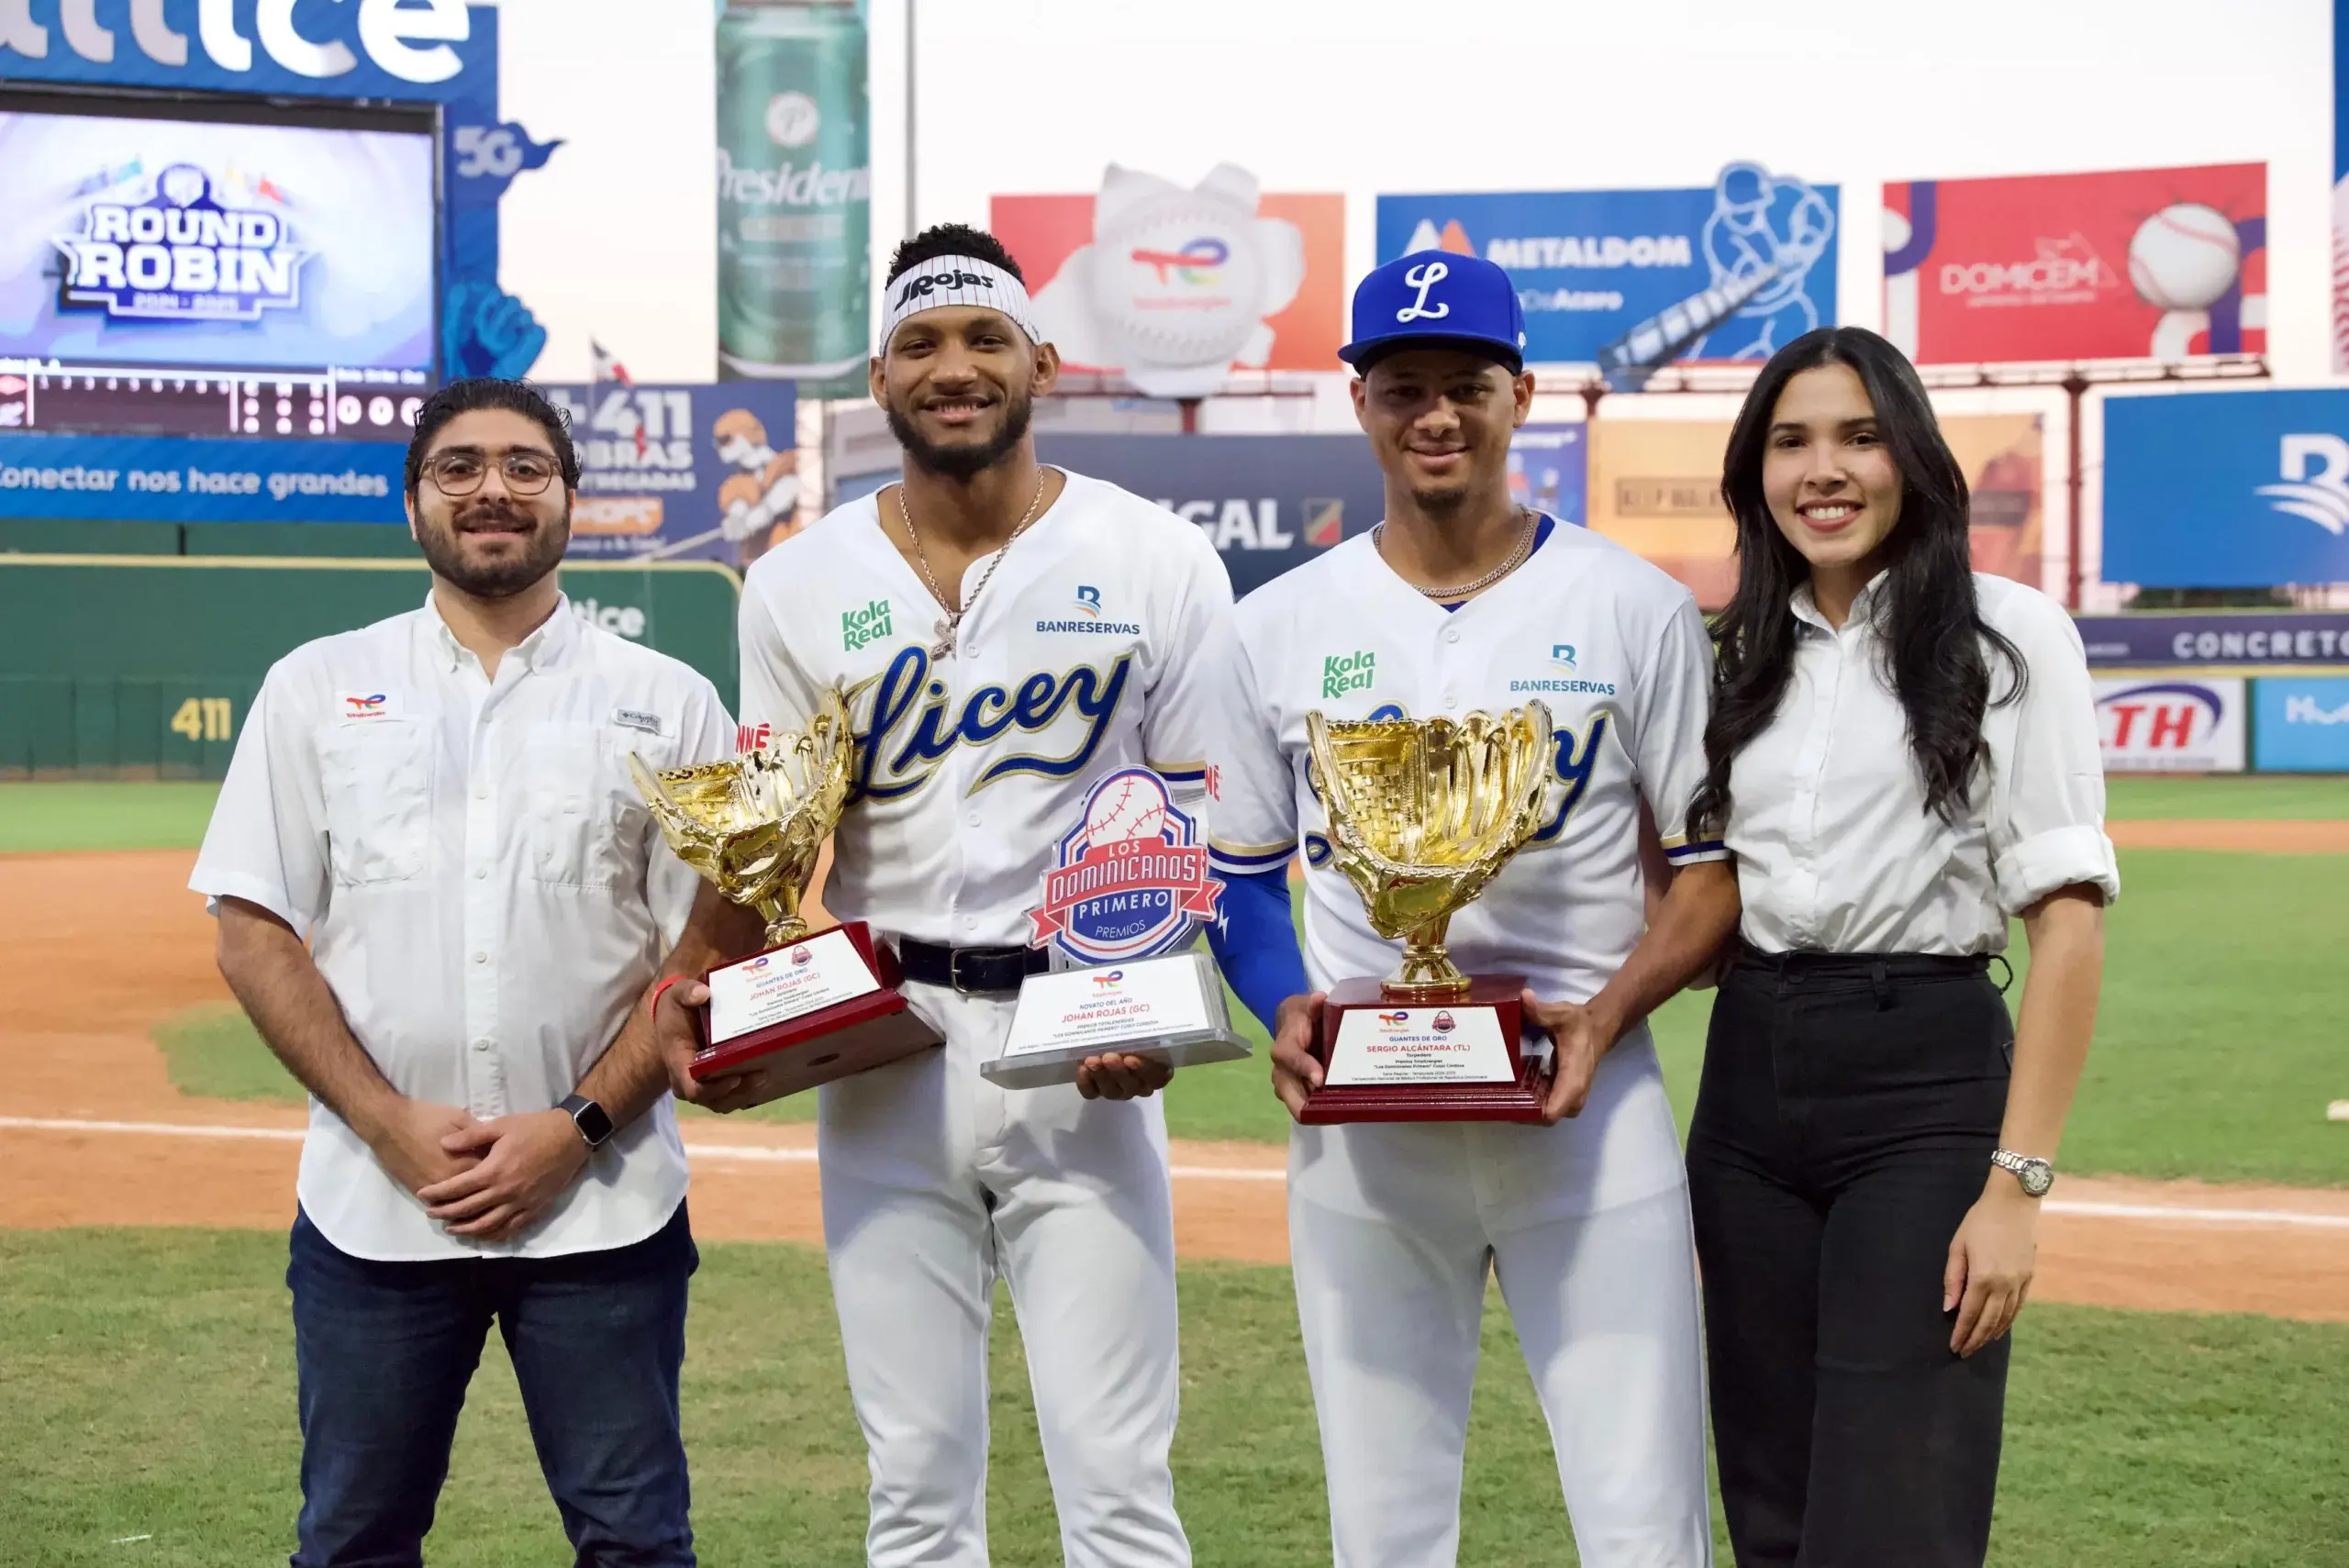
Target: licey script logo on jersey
<point x="1131" y="879"/>
<point x="1343" y="673"/>
<point x="869" y="625"/>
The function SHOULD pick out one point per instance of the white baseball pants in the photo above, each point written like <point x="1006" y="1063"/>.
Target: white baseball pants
<point x="935" y="1184"/>
<point x="1391" y="1229"/>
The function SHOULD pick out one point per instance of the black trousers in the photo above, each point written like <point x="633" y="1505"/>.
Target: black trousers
<point x="1848" y="1110"/>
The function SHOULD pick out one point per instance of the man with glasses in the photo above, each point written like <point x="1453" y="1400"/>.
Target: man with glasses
<point x="442" y="902"/>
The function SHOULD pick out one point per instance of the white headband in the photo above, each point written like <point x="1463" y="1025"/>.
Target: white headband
<point x="956" y="279"/>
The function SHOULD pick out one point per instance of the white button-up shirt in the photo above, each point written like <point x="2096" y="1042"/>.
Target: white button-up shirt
<point x="1836" y="850"/>
<point x="480" y="886"/>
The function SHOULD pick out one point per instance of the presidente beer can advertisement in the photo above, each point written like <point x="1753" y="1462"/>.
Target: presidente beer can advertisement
<point x="795" y="195"/>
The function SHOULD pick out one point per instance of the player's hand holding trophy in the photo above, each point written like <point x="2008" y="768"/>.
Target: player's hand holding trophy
<point x="1422" y="815"/>
<point x="814" y="1005"/>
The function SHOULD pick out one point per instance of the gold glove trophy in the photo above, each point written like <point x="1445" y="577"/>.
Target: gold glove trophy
<point x="816" y="1005"/>
<point x="1422" y="814"/>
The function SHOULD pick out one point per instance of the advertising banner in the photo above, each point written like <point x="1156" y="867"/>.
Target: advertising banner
<point x="280" y="59"/>
<point x="1732" y="271"/>
<point x="2135" y="263"/>
<point x="1270" y="502"/>
<point x="1655" y="487"/>
<point x="175" y="478"/>
<point x="163" y="242"/>
<point x="1548" y="470"/>
<point x="2224" y="637"/>
<point x="1267" y="502"/>
<point x="2227" y="490"/>
<point x="2339" y="188"/>
<point x="2299" y="725"/>
<point x="2171" y="726"/>
<point x="683" y="473"/>
<point x="795" y="196"/>
<point x="1174" y="286"/>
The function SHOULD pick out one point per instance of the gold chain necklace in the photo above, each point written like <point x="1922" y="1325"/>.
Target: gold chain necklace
<point x="952" y="622"/>
<point x="1515" y="558"/>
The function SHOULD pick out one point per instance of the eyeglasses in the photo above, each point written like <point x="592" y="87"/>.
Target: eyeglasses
<point x="459" y="473"/>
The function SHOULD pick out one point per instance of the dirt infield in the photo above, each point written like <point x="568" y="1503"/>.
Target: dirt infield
<point x="92" y="1130"/>
<point x="2317" y="837"/>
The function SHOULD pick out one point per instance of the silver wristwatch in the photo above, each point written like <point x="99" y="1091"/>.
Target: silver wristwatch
<point x="2035" y="1174"/>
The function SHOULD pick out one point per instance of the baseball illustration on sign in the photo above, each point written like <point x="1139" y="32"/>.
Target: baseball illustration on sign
<point x="1174" y="285"/>
<point x="1634" y="280"/>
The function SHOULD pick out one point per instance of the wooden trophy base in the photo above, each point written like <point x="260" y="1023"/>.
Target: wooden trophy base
<point x="1428" y="1096"/>
<point x="835" y="1040"/>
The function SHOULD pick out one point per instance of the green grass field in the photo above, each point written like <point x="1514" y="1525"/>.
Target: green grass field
<point x="2219" y="1043"/>
<point x="148" y="1380"/>
<point x="149" y="1384"/>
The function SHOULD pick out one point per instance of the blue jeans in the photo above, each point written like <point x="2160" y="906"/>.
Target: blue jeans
<point x="384" y="1351"/>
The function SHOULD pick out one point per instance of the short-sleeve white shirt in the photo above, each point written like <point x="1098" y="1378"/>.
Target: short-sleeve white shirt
<point x="482" y="888"/>
<point x="1836" y="850"/>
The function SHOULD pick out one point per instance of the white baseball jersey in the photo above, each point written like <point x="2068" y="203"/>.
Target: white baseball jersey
<point x="1102" y="642"/>
<point x="1099" y="643"/>
<point x="1617" y="650"/>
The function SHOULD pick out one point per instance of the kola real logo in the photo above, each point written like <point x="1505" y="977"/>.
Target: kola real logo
<point x="1132" y="878"/>
<point x="859" y="628"/>
<point x="1343" y="673"/>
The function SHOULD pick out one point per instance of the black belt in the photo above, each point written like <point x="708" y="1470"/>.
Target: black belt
<point x="984" y="970"/>
<point x="1860" y="965"/>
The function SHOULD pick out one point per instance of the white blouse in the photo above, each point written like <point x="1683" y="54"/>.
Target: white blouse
<point x="1836" y="850"/>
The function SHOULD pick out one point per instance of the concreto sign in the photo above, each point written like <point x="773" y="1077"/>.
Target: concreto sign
<point x="2242" y="638"/>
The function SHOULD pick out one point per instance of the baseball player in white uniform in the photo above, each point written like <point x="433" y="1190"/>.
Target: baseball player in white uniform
<point x="1461" y="601"/>
<point x="1008" y="635"/>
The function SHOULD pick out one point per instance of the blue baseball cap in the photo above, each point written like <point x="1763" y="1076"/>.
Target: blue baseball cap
<point x="1437" y="299"/>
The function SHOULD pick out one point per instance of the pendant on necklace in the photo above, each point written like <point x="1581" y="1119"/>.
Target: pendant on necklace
<point x="944" y="646"/>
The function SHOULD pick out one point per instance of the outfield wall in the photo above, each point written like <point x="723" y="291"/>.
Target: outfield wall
<point x="144" y="666"/>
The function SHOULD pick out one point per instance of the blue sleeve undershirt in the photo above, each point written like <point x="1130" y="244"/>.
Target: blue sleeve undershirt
<point x="1252" y="938"/>
<point x="1255" y="943"/>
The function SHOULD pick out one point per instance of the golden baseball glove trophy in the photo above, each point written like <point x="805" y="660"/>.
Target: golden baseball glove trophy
<point x="814" y="1005"/>
<point x="1422" y="814"/>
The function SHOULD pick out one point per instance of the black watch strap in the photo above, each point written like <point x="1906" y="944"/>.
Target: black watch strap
<point x="594" y="1124"/>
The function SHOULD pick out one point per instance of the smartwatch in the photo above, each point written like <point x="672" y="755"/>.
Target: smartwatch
<point x="594" y="1123"/>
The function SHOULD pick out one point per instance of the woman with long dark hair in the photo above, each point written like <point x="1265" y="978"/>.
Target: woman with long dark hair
<point x="1902" y="756"/>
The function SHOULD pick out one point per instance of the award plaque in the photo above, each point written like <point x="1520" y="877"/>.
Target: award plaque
<point x="1168" y="1009"/>
<point x="814" y="1005"/>
<point x="1129" y="886"/>
<point x="1422" y="814"/>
